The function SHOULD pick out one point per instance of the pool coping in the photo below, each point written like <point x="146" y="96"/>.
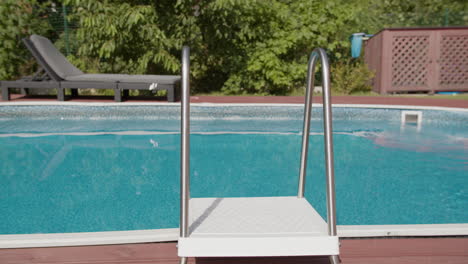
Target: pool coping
<point x="363" y="251"/>
<point x="172" y="234"/>
<point x="209" y="104"/>
<point x="336" y="99"/>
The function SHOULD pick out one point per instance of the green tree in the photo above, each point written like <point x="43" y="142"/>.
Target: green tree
<point x="19" y="19"/>
<point x="122" y="37"/>
<point x="262" y="47"/>
<point x="376" y="15"/>
<point x="238" y="46"/>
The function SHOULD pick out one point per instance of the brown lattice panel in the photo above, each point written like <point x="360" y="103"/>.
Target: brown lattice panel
<point x="410" y="61"/>
<point x="454" y="61"/>
<point x="419" y="59"/>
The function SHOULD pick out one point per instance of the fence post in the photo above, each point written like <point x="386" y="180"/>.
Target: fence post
<point x="65" y="28"/>
<point x="446" y="17"/>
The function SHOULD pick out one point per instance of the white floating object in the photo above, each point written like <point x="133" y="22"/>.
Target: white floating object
<point x="154" y="143"/>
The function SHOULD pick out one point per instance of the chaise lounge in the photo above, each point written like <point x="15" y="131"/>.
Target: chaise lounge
<point x="56" y="72"/>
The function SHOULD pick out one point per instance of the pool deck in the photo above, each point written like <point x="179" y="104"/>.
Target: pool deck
<point x="353" y="251"/>
<point x="373" y="100"/>
<point x="370" y="250"/>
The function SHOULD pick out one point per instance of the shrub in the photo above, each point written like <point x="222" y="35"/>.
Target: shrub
<point x="19" y="19"/>
<point x="350" y="76"/>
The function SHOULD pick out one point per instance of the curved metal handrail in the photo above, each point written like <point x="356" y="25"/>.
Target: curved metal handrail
<point x="185" y="143"/>
<point x="185" y="138"/>
<point x="327" y="121"/>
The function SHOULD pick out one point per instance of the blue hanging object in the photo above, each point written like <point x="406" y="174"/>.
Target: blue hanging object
<point x="356" y="43"/>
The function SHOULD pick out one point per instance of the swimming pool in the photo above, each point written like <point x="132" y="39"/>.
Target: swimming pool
<point x="70" y="168"/>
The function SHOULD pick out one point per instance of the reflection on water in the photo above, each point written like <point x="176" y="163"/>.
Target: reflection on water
<point x="420" y="142"/>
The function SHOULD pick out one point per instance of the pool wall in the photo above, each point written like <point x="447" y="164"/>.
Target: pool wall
<point x="172" y="234"/>
<point x="110" y="118"/>
<point x="160" y="235"/>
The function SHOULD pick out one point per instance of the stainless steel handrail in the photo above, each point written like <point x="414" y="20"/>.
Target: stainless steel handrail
<point x="327" y="121"/>
<point x="185" y="138"/>
<point x="185" y="143"/>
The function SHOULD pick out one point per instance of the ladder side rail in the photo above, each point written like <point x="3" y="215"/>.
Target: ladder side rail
<point x="185" y="144"/>
<point x="306" y="122"/>
<point x="328" y="137"/>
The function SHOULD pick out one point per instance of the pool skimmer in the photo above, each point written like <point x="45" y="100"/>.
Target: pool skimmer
<point x="411" y="118"/>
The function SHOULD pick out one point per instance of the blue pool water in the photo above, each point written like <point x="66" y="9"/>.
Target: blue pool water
<point x="84" y="169"/>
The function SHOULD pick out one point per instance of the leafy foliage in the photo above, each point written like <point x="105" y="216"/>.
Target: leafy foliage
<point x="261" y="47"/>
<point x="238" y="46"/>
<point x="351" y="76"/>
<point x="18" y="19"/>
<point x="376" y="15"/>
<point x="124" y="35"/>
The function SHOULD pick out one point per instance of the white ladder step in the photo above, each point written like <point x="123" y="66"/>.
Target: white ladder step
<point x="257" y="226"/>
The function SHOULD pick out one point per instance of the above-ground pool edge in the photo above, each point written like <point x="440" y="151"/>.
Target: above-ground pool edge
<point x="171" y="234"/>
<point x="208" y="104"/>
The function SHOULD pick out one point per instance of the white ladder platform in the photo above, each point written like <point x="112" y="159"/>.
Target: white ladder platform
<point x="257" y="226"/>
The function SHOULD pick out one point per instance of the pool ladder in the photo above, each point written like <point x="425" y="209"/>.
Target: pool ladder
<point x="199" y="244"/>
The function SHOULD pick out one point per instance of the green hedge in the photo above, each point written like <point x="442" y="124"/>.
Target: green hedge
<point x="238" y="46"/>
<point x="18" y="19"/>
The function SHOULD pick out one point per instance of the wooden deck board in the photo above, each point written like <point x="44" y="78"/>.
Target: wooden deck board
<point x="353" y="251"/>
<point x="388" y="247"/>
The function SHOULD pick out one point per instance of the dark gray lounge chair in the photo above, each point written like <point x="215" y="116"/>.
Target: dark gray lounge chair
<point x="55" y="71"/>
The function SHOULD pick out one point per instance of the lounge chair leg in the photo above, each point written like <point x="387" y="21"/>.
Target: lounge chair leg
<point x="335" y="259"/>
<point x="177" y="91"/>
<point x="24" y="91"/>
<point x="60" y="94"/>
<point x="5" y="93"/>
<point x="170" y="95"/>
<point x="126" y="93"/>
<point x="117" y="95"/>
<point x="183" y="261"/>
